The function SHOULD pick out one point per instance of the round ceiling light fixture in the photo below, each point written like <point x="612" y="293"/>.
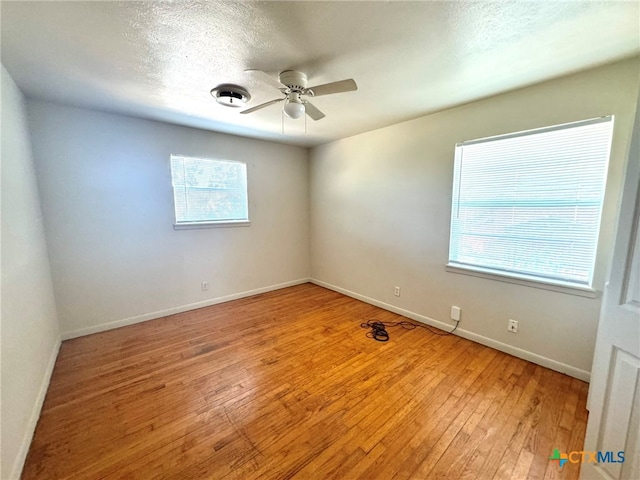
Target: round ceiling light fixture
<point x="294" y="108"/>
<point x="230" y="95"/>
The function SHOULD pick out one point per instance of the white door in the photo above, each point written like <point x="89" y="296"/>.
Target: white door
<point x="614" y="393"/>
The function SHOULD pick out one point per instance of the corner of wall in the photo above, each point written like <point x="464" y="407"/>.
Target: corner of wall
<point x="23" y="449"/>
<point x="30" y="329"/>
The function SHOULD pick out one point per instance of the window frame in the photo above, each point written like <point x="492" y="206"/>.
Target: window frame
<point x="187" y="225"/>
<point x="519" y="278"/>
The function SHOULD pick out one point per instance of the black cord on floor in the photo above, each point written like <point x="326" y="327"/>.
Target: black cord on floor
<point x="378" y="329"/>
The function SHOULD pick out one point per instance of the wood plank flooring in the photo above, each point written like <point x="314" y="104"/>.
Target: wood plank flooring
<point x="287" y="385"/>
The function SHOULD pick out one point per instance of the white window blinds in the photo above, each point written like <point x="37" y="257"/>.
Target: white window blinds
<point x="528" y="204"/>
<point x="209" y="191"/>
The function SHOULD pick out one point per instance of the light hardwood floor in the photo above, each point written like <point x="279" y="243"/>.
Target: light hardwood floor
<point x="287" y="385"/>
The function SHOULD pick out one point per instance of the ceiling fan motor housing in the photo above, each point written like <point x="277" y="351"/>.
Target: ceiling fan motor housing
<point x="296" y="81"/>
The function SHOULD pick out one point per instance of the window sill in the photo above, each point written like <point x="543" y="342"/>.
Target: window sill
<point x="556" y="287"/>
<point x="228" y="223"/>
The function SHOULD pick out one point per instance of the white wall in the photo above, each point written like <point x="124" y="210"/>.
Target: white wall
<point x="106" y="195"/>
<point x="380" y="216"/>
<point x="29" y="328"/>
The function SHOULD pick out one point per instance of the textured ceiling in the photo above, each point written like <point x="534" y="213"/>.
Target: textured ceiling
<point x="159" y="60"/>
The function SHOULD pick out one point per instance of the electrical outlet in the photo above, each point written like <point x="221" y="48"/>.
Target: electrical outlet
<point x="204" y="286"/>
<point x="512" y="326"/>
<point x="455" y="313"/>
<point x="396" y="291"/>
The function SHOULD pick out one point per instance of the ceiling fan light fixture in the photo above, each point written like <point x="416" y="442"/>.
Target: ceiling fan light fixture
<point x="294" y="108"/>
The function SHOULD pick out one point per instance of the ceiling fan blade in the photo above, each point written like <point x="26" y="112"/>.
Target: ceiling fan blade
<point x="266" y="78"/>
<point x="258" y="107"/>
<point x="311" y="110"/>
<point x="334" y="87"/>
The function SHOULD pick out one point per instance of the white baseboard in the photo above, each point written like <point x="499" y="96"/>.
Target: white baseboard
<point x="18" y="463"/>
<point x="489" y="342"/>
<point x="180" y="309"/>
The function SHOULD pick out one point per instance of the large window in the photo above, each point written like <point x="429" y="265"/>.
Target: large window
<point x="209" y="192"/>
<point x="527" y="205"/>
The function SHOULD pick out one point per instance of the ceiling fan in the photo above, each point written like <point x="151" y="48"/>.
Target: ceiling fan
<point x="293" y="85"/>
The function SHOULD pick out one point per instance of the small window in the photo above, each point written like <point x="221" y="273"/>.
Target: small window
<point x="527" y="205"/>
<point x="209" y="192"/>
